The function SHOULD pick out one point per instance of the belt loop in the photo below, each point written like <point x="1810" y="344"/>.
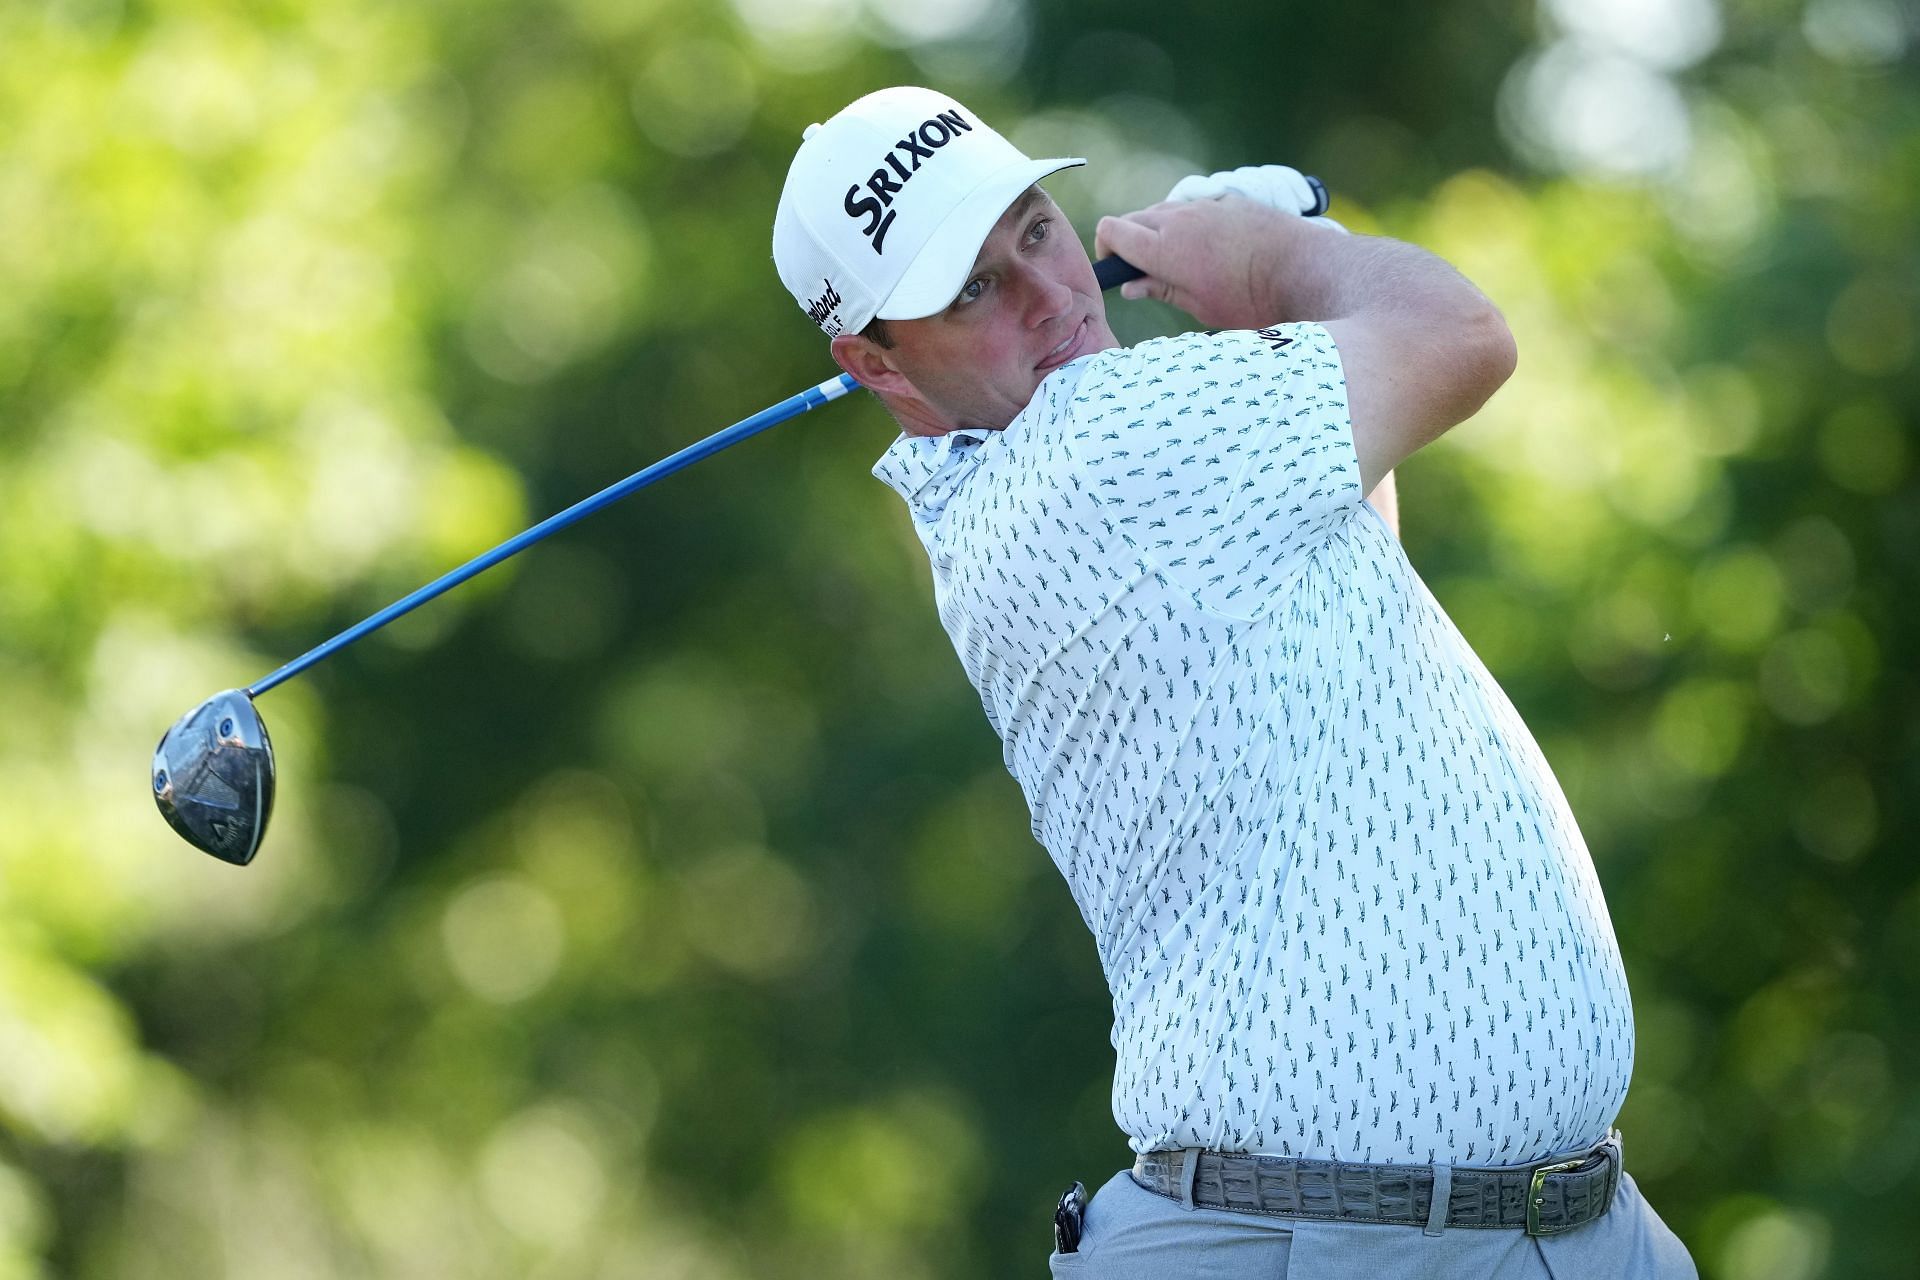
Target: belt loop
<point x="1442" y="1197"/>
<point x="1618" y="1155"/>
<point x="1189" y="1166"/>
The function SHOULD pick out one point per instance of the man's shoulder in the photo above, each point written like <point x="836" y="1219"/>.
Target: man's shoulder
<point x="1204" y="354"/>
<point x="1192" y="373"/>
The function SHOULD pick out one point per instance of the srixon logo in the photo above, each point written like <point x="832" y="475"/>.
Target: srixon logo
<point x="902" y="162"/>
<point x="820" y="310"/>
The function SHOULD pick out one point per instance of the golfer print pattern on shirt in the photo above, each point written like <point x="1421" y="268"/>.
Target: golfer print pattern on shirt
<point x="1339" y="898"/>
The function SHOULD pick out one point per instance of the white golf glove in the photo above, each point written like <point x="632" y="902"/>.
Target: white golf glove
<point x="1274" y="185"/>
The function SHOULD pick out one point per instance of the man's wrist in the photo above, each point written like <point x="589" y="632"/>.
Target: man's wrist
<point x="1272" y="275"/>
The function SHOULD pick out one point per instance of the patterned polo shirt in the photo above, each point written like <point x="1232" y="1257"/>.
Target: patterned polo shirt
<point x="1341" y="903"/>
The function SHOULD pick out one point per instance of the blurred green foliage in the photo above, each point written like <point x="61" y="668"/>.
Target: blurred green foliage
<point x="658" y="904"/>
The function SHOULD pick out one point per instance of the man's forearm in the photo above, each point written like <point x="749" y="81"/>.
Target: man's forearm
<point x="1315" y="273"/>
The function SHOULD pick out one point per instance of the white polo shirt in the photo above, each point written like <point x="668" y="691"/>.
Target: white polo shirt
<point x="1341" y="903"/>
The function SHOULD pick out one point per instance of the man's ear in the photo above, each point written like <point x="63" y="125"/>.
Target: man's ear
<point x="867" y="361"/>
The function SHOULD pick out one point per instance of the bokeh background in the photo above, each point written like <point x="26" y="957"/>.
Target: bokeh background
<point x="658" y="905"/>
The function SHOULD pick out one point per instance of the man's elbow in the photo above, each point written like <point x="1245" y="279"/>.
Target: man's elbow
<point x="1499" y="355"/>
<point x="1488" y="357"/>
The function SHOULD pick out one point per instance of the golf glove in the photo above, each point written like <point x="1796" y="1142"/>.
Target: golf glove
<point x="1274" y="185"/>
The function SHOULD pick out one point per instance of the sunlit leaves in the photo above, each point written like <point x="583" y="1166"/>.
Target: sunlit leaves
<point x="672" y="870"/>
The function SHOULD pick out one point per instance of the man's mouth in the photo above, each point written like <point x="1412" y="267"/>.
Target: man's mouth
<point x="1069" y="348"/>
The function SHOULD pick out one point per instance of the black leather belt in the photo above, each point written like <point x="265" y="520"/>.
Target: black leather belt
<point x="1541" y="1199"/>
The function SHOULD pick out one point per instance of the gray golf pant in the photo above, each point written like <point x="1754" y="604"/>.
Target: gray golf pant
<point x="1134" y="1234"/>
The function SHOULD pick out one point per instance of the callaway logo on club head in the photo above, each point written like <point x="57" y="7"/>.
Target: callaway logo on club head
<point x="918" y="145"/>
<point x="821" y="310"/>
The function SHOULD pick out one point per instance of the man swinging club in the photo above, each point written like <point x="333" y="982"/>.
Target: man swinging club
<point x="1369" y="1011"/>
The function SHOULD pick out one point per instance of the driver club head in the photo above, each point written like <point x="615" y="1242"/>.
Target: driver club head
<point x="213" y="777"/>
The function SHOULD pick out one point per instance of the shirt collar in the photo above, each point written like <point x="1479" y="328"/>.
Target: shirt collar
<point x="926" y="470"/>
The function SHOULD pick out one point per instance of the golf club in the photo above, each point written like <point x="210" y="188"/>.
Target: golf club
<point x="213" y="773"/>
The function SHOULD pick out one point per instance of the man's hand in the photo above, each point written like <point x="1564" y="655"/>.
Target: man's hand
<point x="1274" y="185"/>
<point x="1203" y="256"/>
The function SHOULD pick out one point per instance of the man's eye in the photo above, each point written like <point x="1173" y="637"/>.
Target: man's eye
<point x="1039" y="231"/>
<point x="972" y="290"/>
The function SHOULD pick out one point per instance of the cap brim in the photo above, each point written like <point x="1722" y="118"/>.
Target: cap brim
<point x="946" y="260"/>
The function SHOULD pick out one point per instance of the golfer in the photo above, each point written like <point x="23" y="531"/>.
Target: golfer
<point x="1369" y="1010"/>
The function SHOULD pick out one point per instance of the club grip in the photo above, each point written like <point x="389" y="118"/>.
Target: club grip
<point x="1114" y="270"/>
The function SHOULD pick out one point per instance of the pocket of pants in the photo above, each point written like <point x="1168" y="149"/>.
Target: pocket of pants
<point x="1106" y="1212"/>
<point x="1136" y="1234"/>
<point x="1059" y="1262"/>
<point x="1065" y="1264"/>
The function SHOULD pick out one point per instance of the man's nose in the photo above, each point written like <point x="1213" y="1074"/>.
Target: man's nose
<point x="1047" y="299"/>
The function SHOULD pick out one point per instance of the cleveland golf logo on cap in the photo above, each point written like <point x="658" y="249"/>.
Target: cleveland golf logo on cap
<point x="821" y="310"/>
<point x="920" y="144"/>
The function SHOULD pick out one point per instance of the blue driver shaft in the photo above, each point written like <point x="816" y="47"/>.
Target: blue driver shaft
<point x="1109" y="271"/>
<point x="791" y="407"/>
<point x="213" y="774"/>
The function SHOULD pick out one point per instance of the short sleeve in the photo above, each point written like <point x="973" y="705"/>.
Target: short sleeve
<point x="1225" y="459"/>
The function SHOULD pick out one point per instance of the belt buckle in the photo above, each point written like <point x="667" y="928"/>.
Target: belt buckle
<point x="1537" y="1186"/>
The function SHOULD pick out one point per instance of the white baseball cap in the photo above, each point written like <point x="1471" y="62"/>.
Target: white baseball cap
<point x="887" y="204"/>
